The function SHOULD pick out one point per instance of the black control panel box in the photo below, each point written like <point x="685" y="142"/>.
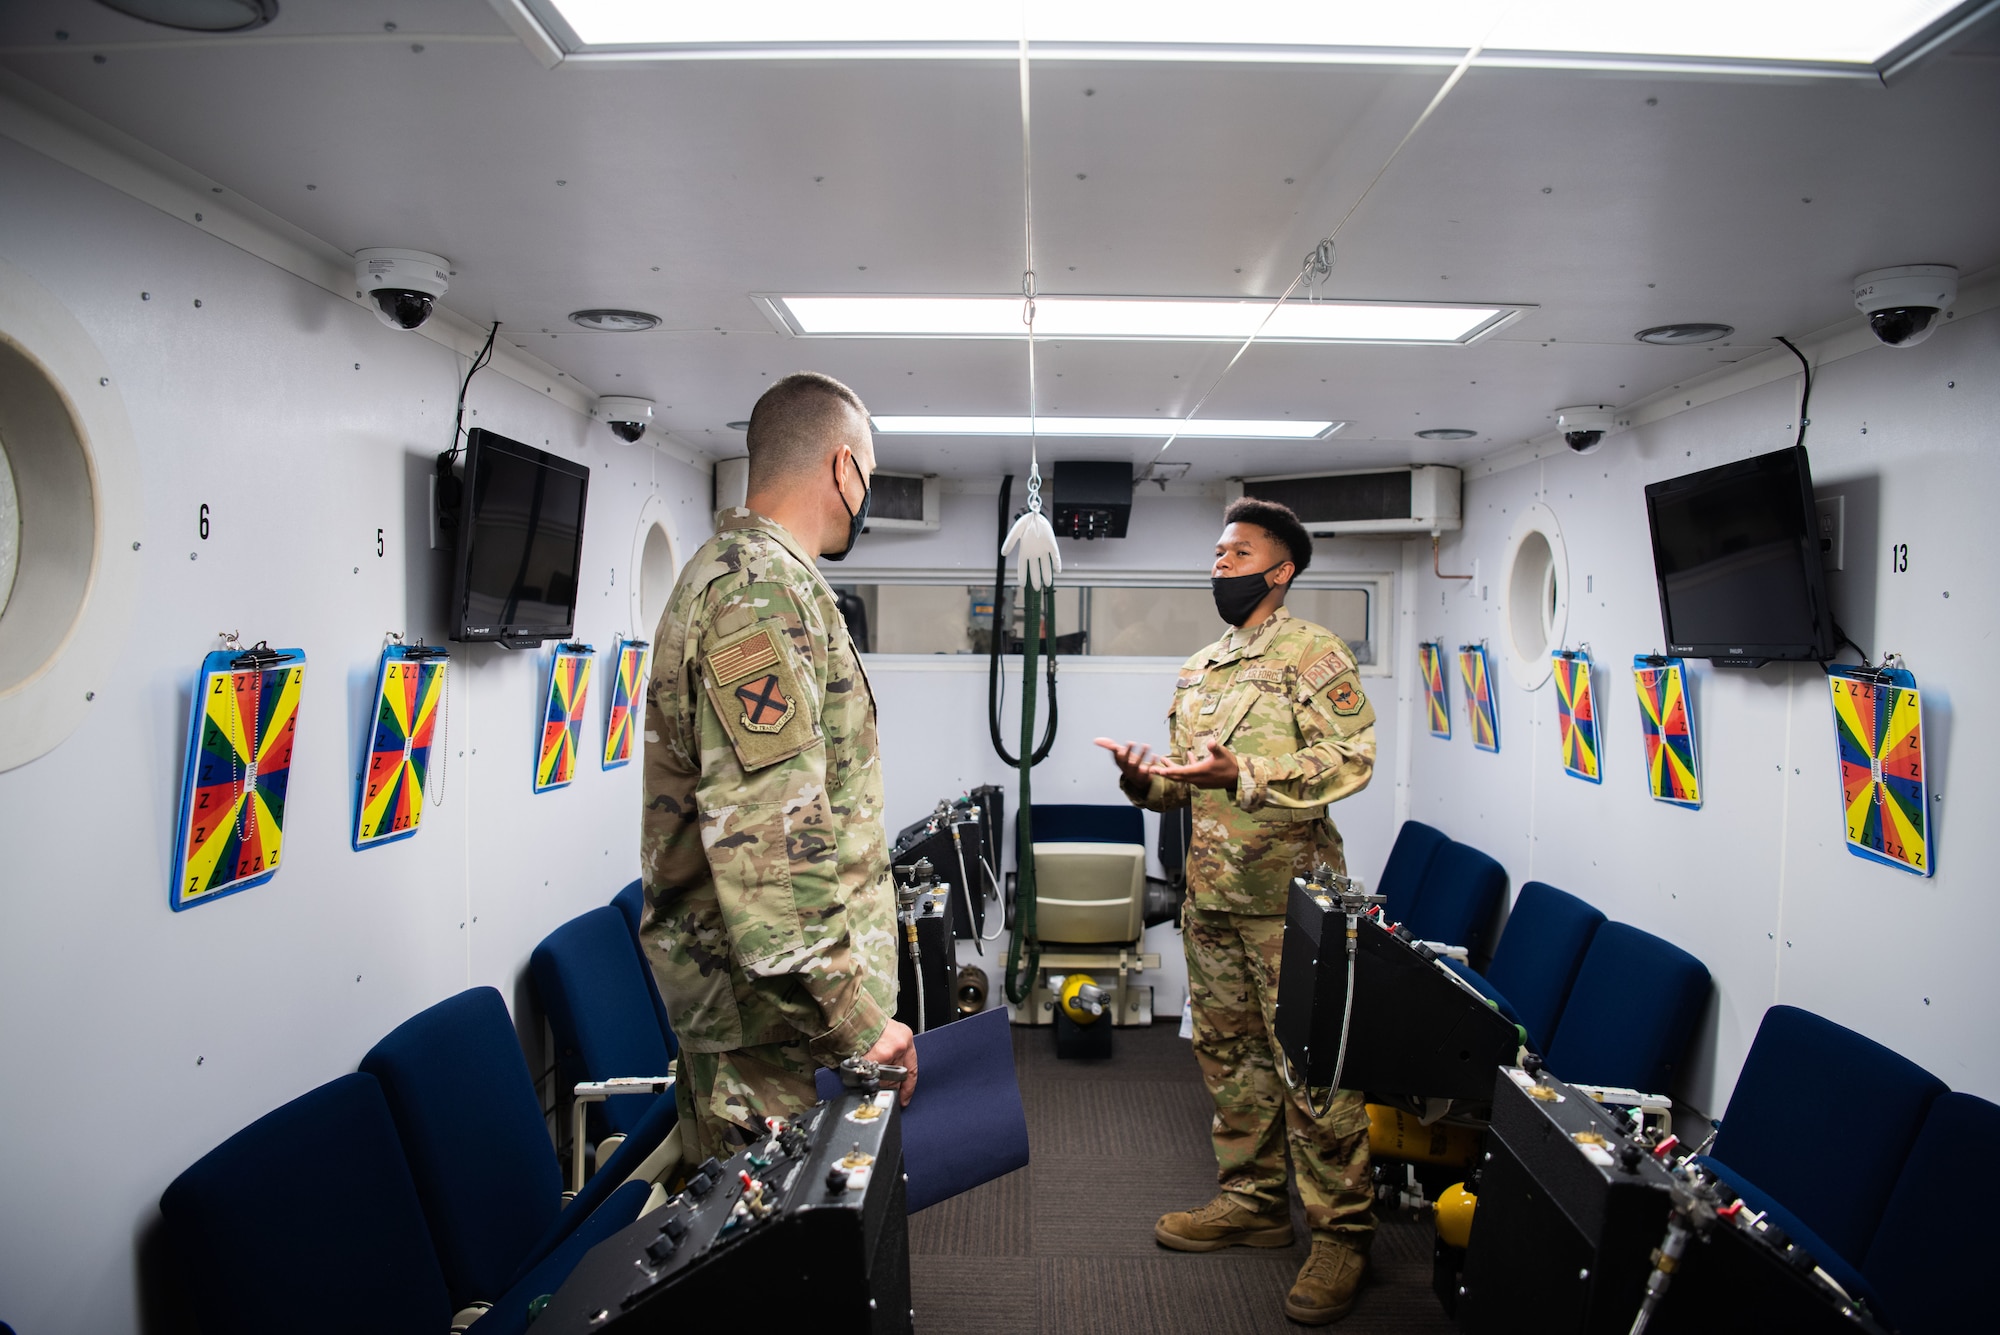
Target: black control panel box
<point x="1416" y="1029"/>
<point x="807" y="1229"/>
<point x="1093" y="499"/>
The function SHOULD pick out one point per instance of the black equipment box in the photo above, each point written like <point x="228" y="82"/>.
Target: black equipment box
<point x="1093" y="499"/>
<point x="1570" y="1209"/>
<point x="958" y="844"/>
<point x="1416" y="1028"/>
<point x="805" y="1229"/>
<point x="1754" y="1278"/>
<point x="935" y="960"/>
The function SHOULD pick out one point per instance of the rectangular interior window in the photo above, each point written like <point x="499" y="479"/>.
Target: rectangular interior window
<point x="1097" y="621"/>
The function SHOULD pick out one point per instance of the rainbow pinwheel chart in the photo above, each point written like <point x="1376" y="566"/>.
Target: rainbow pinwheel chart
<point x="396" y="773"/>
<point x="1878" y="722"/>
<point x="231" y="831"/>
<point x="562" y="718"/>
<point x="628" y="683"/>
<point x="1430" y="657"/>
<point x="1576" y="718"/>
<point x="1666" y="725"/>
<point x="1475" y="669"/>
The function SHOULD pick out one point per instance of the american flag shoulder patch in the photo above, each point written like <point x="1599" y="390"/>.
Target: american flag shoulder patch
<point x="755" y="652"/>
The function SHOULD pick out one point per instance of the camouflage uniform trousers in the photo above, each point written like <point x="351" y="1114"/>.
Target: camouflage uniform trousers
<point x="724" y="1097"/>
<point x="1232" y="963"/>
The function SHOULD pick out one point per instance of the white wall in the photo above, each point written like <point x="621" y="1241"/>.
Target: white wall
<point x="135" y="1038"/>
<point x="1758" y="883"/>
<point x="935" y="739"/>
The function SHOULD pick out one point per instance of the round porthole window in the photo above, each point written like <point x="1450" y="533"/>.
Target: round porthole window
<point x="655" y="564"/>
<point x="1534" y="596"/>
<point x="68" y="521"/>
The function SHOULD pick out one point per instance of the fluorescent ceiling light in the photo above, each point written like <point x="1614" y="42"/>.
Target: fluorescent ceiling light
<point x="1146" y="427"/>
<point x="1857" y="33"/>
<point x="1200" y="319"/>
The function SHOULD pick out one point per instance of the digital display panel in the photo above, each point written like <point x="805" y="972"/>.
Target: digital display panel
<point x="520" y="541"/>
<point x="1736" y="554"/>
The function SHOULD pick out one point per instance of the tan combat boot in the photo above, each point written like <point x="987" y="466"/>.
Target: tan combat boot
<point x="1324" y="1291"/>
<point x="1223" y="1222"/>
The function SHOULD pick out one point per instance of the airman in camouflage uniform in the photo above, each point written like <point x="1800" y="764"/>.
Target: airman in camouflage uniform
<point x="1283" y="697"/>
<point x="770" y="916"/>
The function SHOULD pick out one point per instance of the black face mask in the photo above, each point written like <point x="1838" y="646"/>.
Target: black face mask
<point x="1237" y="596"/>
<point x="856" y="519"/>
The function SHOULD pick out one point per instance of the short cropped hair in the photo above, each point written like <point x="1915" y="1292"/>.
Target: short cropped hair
<point x="793" y="425"/>
<point x="1278" y="521"/>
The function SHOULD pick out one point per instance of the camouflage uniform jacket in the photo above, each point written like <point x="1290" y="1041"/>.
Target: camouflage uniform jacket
<point x="1286" y="699"/>
<point x="770" y="914"/>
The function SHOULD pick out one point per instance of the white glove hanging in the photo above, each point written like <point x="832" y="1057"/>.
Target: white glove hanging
<point x="1038" y="562"/>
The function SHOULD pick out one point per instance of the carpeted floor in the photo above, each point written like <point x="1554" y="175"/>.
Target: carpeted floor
<point x="1065" y="1246"/>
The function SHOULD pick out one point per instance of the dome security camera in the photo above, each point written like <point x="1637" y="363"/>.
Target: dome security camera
<point x="1583" y="427"/>
<point x="628" y="418"/>
<point x="1902" y="302"/>
<point x="402" y="285"/>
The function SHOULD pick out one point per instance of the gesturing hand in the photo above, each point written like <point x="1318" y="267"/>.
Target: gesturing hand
<point x="1213" y="767"/>
<point x="1132" y="759"/>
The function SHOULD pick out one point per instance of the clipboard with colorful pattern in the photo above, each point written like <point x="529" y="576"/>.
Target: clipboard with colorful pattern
<point x="395" y="779"/>
<point x="1666" y="725"/>
<point x="1878" y="722"/>
<point x="1481" y="711"/>
<point x="1430" y="658"/>
<point x="628" y="684"/>
<point x="562" y="717"/>
<point x="231" y="832"/>
<point x="1576" y="716"/>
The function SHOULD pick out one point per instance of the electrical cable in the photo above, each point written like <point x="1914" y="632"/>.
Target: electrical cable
<point x="480" y="362"/>
<point x="1805" y="395"/>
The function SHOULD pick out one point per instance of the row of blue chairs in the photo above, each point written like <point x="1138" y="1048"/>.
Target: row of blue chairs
<point x="426" y="1183"/>
<point x="1603" y="1002"/>
<point x="1862" y="1156"/>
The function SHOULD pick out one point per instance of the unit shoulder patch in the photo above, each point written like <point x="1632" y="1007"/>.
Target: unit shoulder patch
<point x="753" y="686"/>
<point x="1314" y="677"/>
<point x="1346" y="698"/>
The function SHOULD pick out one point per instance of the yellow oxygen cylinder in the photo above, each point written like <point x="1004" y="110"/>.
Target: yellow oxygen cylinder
<point x="1395" y="1134"/>
<point x="1454" y="1215"/>
<point x="1081" y="999"/>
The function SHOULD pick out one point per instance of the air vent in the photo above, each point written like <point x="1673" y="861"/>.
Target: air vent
<point x="1418" y="499"/>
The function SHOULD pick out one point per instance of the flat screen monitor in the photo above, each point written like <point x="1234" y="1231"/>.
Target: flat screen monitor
<point x="520" y="543"/>
<point x="1736" y="551"/>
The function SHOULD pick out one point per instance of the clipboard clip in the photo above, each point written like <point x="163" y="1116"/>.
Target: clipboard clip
<point x="258" y="655"/>
<point x="1656" y="660"/>
<point x="424" y="653"/>
<point x="575" y="647"/>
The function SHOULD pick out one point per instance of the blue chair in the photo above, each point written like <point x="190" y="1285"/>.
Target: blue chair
<point x="1539" y="955"/>
<point x="1087" y="823"/>
<point x="592" y="982"/>
<point x="471" y="1127"/>
<point x="308" y="1220"/>
<point x="1416" y="843"/>
<point x="1459" y="899"/>
<point x="1631" y="1013"/>
<point x="965" y="1125"/>
<point x="631" y="901"/>
<point x="1773" y="1153"/>
<point x="1931" y="1246"/>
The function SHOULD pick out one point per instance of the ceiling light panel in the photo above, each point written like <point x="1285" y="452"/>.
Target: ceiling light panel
<point x="1139" y="319"/>
<point x="1856" y="33"/>
<point x="1129" y="427"/>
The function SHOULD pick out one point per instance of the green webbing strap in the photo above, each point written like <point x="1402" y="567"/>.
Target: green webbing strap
<point x="1020" y="983"/>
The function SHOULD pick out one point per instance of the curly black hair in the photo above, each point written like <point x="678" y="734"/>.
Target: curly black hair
<point x="1278" y="521"/>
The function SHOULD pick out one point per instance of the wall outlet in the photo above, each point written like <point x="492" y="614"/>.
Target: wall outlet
<point x="1832" y="531"/>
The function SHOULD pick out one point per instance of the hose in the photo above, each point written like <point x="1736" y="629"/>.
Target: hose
<point x="999" y="638"/>
<point x="1021" y="984"/>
